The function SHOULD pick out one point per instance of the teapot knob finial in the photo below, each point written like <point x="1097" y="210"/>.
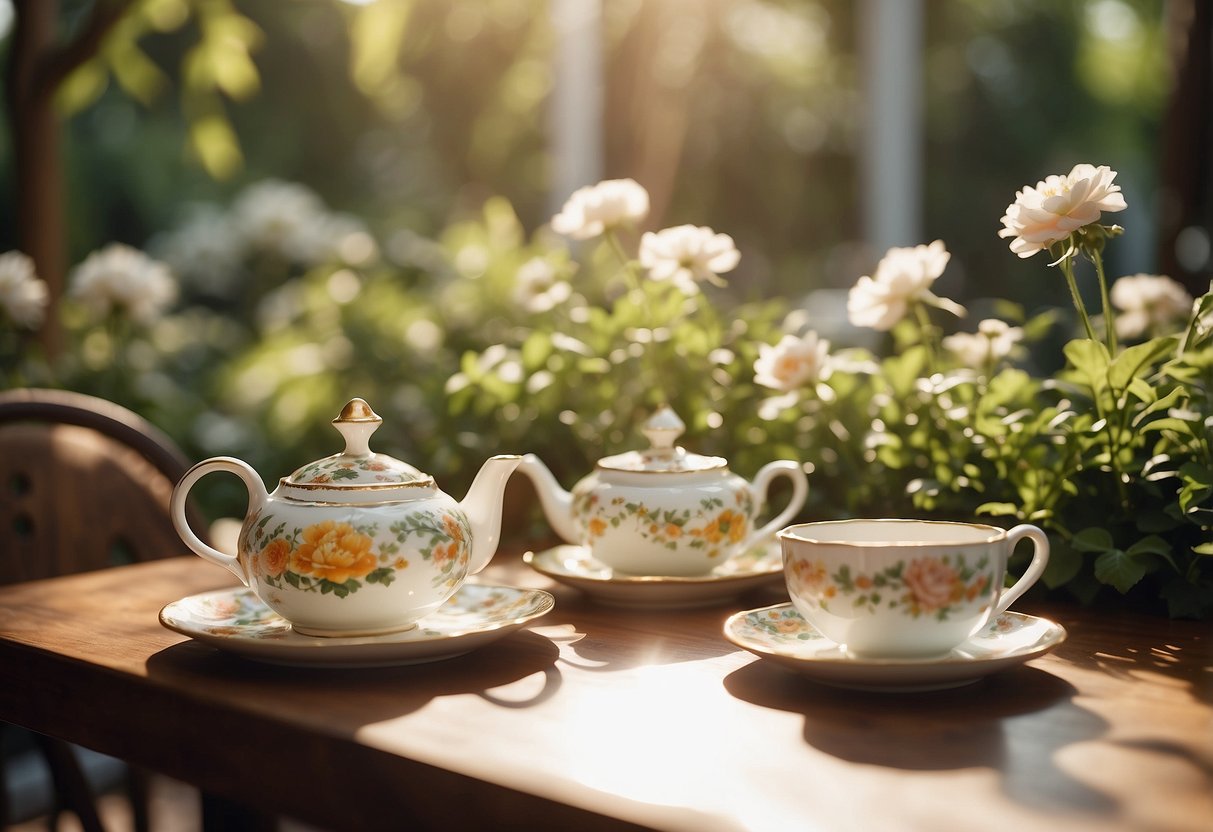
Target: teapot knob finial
<point x="663" y="428"/>
<point x="356" y="424"/>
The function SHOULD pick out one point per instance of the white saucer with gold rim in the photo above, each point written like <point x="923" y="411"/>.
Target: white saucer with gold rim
<point x="779" y="633"/>
<point x="577" y="567"/>
<point x="235" y="620"/>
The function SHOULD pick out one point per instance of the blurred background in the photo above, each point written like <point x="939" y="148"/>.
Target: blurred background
<point x="420" y="143"/>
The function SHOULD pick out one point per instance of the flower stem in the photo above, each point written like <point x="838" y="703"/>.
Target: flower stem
<point x="1108" y="315"/>
<point x="928" y="334"/>
<point x="1067" y="268"/>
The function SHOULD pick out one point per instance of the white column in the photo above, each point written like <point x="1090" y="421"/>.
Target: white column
<point x="892" y="158"/>
<point x="576" y="141"/>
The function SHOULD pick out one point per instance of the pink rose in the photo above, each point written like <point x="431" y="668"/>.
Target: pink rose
<point x="932" y="583"/>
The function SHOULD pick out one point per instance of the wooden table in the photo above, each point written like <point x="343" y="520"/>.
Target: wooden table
<point x="601" y="718"/>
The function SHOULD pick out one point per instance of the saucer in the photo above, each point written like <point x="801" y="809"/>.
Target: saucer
<point x="575" y="566"/>
<point x="780" y="634"/>
<point x="235" y="620"/>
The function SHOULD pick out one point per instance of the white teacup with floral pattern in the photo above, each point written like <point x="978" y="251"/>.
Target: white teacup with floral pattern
<point x="903" y="588"/>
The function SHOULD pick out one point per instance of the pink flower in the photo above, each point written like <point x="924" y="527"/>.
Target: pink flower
<point x="932" y="583"/>
<point x="793" y="362"/>
<point x="1059" y="206"/>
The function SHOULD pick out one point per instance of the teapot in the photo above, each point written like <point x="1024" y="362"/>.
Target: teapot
<point x="664" y="511"/>
<point x="357" y="543"/>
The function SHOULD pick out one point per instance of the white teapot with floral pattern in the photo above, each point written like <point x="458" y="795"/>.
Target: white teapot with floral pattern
<point x="664" y="511"/>
<point x="357" y="543"/>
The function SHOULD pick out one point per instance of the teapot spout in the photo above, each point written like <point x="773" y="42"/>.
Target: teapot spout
<point x="557" y="503"/>
<point x="483" y="505"/>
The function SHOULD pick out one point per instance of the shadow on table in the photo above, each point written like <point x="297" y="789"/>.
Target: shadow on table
<point x="1014" y="722"/>
<point x="1126" y="649"/>
<point x="359" y="696"/>
<point x="616" y="638"/>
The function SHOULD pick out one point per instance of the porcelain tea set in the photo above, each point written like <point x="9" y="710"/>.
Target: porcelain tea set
<point x="359" y="559"/>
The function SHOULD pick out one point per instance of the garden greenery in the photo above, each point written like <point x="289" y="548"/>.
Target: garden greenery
<point x="489" y="339"/>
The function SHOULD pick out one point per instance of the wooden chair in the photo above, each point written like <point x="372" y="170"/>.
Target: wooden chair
<point x="84" y="484"/>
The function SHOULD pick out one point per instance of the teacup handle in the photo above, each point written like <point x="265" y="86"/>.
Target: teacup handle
<point x="1040" y="559"/>
<point x="257" y="496"/>
<point x="760" y="485"/>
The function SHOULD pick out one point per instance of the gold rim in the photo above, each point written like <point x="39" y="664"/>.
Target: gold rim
<point x="798" y="533"/>
<point x="368" y="486"/>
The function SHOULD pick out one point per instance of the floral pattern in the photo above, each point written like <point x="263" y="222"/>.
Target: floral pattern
<point x="338" y="558"/>
<point x="711" y="527"/>
<point x="782" y="625"/>
<point x="924" y="586"/>
<point x="342" y="469"/>
<point x="239" y="613"/>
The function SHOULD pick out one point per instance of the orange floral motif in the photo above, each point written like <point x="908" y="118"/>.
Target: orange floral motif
<point x="596" y="526"/>
<point x="274" y="556"/>
<point x="807" y="575"/>
<point x="444" y="553"/>
<point x="453" y="531"/>
<point x="977" y="587"/>
<point x="673" y="530"/>
<point x="334" y="552"/>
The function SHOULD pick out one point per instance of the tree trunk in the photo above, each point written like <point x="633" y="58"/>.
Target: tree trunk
<point x="37" y="155"/>
<point x="1186" y="206"/>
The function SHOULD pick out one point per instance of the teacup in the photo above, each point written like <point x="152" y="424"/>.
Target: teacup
<point x="903" y="588"/>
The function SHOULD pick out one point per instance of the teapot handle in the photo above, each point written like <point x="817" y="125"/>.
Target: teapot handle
<point x="762" y="482"/>
<point x="257" y="497"/>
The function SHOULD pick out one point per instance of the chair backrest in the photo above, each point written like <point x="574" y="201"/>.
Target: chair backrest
<point x="84" y="484"/>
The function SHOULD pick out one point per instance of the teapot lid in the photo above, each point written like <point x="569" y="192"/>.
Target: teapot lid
<point x="357" y="467"/>
<point x="662" y="457"/>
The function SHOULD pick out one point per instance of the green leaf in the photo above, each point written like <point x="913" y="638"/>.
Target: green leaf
<point x="1064" y="563"/>
<point x="1090" y="359"/>
<point x="1203" y="548"/>
<point x="1152" y="546"/>
<point x="1118" y="569"/>
<point x="1094" y="539"/>
<point x="1158" y="405"/>
<point x="82" y="87"/>
<point x="213" y="139"/>
<point x="1169" y="423"/>
<point x="535" y="350"/>
<point x="999" y="509"/>
<point x="136" y="73"/>
<point x="1135" y="361"/>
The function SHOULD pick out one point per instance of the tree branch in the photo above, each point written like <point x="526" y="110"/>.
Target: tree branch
<point x="61" y="62"/>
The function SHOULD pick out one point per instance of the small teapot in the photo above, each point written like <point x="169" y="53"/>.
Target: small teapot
<point x="357" y="543"/>
<point x="664" y="511"/>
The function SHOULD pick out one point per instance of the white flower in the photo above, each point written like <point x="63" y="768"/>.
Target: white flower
<point x="993" y="340"/>
<point x="22" y="295"/>
<point x="903" y="276"/>
<point x="793" y="362"/>
<point x="1059" y="206"/>
<point x="594" y="209"/>
<point x="328" y="238"/>
<point x="203" y="252"/>
<point x="686" y="254"/>
<point x="1148" y="302"/>
<point x="125" y="280"/>
<point x="539" y="287"/>
<point x="278" y="217"/>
